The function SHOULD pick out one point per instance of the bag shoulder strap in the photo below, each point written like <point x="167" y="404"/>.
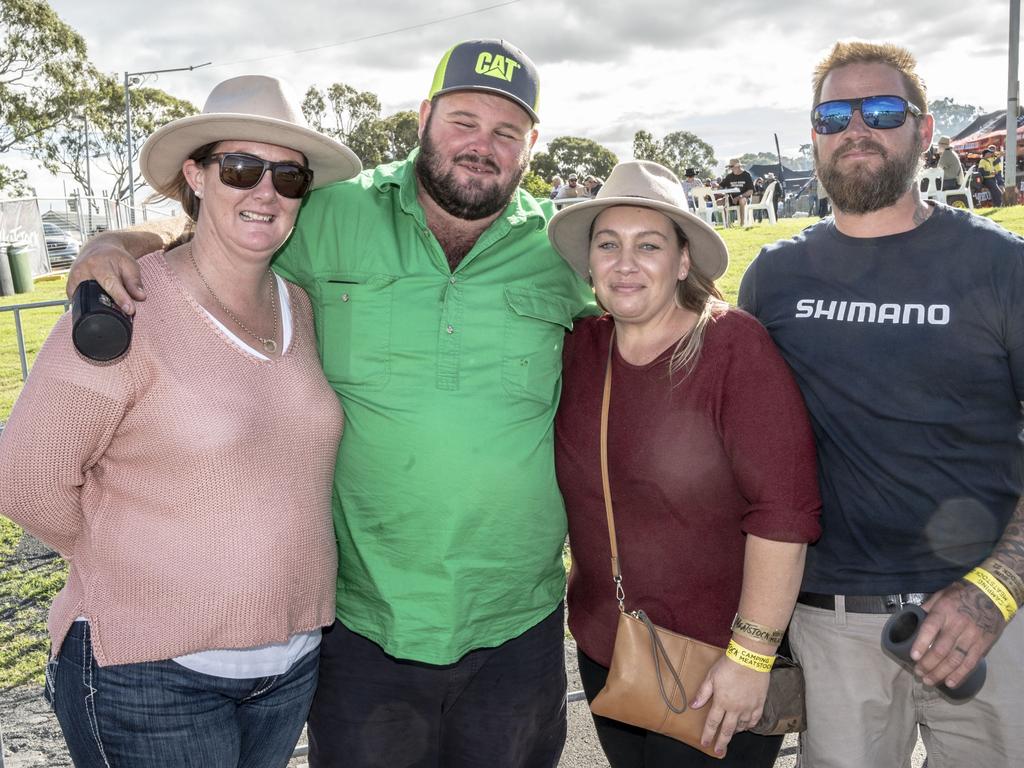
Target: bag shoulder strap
<point x="657" y="647"/>
<point x="606" y="487"/>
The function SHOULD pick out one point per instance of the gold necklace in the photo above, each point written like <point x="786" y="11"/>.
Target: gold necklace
<point x="269" y="345"/>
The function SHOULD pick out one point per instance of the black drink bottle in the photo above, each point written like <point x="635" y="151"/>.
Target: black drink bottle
<point x="100" y="330"/>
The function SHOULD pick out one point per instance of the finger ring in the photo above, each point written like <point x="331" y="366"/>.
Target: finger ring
<point x="958" y="648"/>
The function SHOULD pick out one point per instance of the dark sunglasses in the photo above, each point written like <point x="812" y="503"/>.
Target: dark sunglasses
<point x="243" y="171"/>
<point x="881" y="112"/>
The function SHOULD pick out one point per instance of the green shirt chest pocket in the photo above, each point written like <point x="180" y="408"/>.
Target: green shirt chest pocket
<point x="535" y="326"/>
<point x="354" y="327"/>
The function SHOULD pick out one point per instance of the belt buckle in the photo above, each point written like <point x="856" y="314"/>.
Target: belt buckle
<point x="894" y="603"/>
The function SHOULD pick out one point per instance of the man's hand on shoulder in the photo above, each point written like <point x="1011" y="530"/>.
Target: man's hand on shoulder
<point x="962" y="626"/>
<point x="109" y="259"/>
<point x="105" y="260"/>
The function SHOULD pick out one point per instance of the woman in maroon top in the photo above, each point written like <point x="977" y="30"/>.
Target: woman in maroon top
<point x="711" y="460"/>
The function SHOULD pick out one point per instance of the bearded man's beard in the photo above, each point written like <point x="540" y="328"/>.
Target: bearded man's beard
<point x="860" y="189"/>
<point x="474" y="200"/>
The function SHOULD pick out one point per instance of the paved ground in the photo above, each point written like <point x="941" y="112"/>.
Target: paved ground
<point x="32" y="738"/>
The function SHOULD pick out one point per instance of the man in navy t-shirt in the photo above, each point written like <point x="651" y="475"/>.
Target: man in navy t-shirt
<point x="904" y="324"/>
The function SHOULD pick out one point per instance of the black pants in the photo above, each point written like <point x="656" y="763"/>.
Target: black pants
<point x="498" y="707"/>
<point x="627" y="746"/>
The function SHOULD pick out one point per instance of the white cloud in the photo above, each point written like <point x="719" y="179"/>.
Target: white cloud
<point x="734" y="73"/>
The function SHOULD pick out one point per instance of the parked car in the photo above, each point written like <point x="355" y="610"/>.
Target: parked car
<point x="61" y="248"/>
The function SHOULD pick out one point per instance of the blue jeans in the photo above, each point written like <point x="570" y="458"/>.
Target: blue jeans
<point x="160" y="714"/>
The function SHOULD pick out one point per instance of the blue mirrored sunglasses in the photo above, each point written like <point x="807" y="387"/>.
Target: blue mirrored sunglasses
<point x="881" y="112"/>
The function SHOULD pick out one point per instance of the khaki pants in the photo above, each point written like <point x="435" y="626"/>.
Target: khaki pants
<point x="864" y="708"/>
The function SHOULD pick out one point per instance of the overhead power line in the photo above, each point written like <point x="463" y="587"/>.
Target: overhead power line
<point x="369" y="37"/>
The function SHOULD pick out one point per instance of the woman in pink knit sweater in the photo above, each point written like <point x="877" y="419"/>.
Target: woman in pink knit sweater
<point x="188" y="483"/>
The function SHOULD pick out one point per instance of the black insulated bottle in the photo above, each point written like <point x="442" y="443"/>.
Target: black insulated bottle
<point x="100" y="330"/>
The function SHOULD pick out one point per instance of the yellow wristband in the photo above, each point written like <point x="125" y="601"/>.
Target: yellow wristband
<point x="994" y="591"/>
<point x="749" y="659"/>
<point x="1011" y="580"/>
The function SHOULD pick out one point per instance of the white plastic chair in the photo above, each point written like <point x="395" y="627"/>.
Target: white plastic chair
<point x="930" y="182"/>
<point x="731" y="209"/>
<point x="701" y="196"/>
<point x="963" y="192"/>
<point x="766" y="204"/>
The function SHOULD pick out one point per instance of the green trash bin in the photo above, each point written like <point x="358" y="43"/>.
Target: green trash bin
<point x="20" y="256"/>
<point x="6" y="281"/>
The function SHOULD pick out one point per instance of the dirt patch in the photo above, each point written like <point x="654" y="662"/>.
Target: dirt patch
<point x="31" y="735"/>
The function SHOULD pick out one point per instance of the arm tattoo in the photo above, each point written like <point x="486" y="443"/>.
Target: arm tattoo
<point x="1009" y="549"/>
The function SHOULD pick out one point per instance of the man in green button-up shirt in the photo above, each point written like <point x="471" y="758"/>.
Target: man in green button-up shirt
<point x="440" y="310"/>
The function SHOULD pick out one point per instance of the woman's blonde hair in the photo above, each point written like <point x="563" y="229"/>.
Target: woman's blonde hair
<point x="697" y="293"/>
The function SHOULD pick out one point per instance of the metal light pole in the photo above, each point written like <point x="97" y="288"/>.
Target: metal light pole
<point x="1012" y="90"/>
<point x="88" y="171"/>
<point x="782" y="172"/>
<point x="130" y="79"/>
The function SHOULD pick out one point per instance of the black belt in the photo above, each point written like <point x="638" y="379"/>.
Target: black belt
<point x="864" y="603"/>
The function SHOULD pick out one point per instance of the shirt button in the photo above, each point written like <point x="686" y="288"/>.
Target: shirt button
<point x="450" y="329"/>
<point x="452" y="281"/>
<point x="344" y="297"/>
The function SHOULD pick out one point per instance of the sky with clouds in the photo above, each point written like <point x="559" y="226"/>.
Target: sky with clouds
<point x="732" y="72"/>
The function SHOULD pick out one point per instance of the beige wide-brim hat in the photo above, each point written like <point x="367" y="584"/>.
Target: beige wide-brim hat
<point x="246" y="108"/>
<point x="647" y="185"/>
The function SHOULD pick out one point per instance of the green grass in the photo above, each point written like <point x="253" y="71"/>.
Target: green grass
<point x="28" y="587"/>
<point x="36" y="325"/>
<point x="745" y="244"/>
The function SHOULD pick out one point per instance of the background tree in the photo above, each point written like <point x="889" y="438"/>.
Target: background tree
<point x="535" y="184"/>
<point x="14" y="182"/>
<point x="402" y="131"/>
<point x="646" y="148"/>
<point x="63" y="148"/>
<point x="573" y="154"/>
<point x="950" y="117"/>
<point x="682" y="150"/>
<point x="353" y="118"/>
<point x="42" y="66"/>
<point x="340" y="109"/>
<point x="43" y="63"/>
<point x="678" y="151"/>
<point x="805" y="159"/>
<point x="768" y="158"/>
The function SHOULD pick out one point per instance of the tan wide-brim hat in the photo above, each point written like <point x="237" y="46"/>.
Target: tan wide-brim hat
<point x="647" y="185"/>
<point x="246" y="108"/>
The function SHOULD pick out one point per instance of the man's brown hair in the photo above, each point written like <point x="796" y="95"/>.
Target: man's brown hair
<point x="856" y="52"/>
